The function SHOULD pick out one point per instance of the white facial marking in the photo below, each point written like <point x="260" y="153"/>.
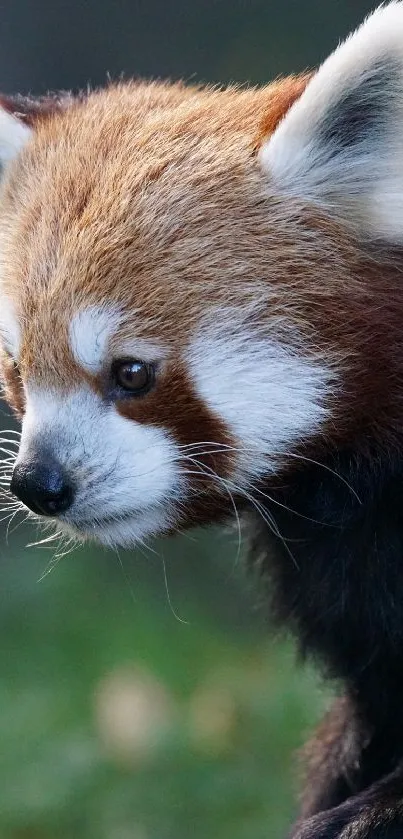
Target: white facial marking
<point x="270" y="397"/>
<point x="341" y="144"/>
<point x="140" y="348"/>
<point x="129" y="478"/>
<point x="91" y="330"/>
<point x="13" y="136"/>
<point x="123" y="471"/>
<point x="99" y="330"/>
<point x="10" y="332"/>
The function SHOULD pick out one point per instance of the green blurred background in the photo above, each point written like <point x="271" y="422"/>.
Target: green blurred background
<point x="142" y="696"/>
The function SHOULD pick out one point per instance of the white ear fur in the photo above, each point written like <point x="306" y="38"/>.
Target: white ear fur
<point x="341" y="144"/>
<point x="13" y="136"/>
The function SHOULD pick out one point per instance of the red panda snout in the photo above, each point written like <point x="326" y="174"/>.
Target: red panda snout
<point x="220" y="413"/>
<point x="222" y="248"/>
<point x="42" y="485"/>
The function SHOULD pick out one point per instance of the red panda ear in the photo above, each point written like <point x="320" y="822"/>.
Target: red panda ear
<point x="18" y="117"/>
<point x="341" y="143"/>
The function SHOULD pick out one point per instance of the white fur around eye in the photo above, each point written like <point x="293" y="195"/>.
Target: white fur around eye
<point x="97" y="331"/>
<point x="91" y="330"/>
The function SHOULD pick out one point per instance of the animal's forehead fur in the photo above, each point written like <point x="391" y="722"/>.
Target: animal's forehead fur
<point x="146" y="195"/>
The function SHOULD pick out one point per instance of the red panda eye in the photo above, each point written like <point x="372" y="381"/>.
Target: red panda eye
<point x="133" y="376"/>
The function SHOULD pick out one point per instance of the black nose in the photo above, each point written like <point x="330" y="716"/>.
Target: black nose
<point x="41" y="485"/>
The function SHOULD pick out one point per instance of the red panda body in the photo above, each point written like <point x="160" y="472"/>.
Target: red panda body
<point x="201" y="312"/>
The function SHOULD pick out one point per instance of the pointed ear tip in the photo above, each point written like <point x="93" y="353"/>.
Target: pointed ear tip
<point x="374" y="49"/>
<point x="381" y="29"/>
<point x="343" y="137"/>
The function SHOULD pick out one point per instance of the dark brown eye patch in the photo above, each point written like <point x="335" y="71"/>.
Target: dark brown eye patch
<point x="131" y="377"/>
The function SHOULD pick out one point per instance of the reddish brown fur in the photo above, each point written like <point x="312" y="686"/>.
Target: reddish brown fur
<point x="152" y="156"/>
<point x="151" y="196"/>
<point x="284" y="95"/>
<point x="12" y="385"/>
<point x="187" y="222"/>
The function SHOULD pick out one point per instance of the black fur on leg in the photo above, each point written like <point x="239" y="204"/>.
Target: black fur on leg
<point x="375" y="813"/>
<point x="335" y="576"/>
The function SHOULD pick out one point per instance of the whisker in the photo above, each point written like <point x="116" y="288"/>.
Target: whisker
<point x="19" y="510"/>
<point x="292" y="455"/>
<point x="231" y="497"/>
<point x="44" y="541"/>
<point x="73" y="543"/>
<point x="327" y="469"/>
<point x="18" y="524"/>
<point x="204" y="443"/>
<point x="49" y="568"/>
<point x="57" y="557"/>
<point x="272" y="525"/>
<point x="175" y="614"/>
<point x="11" y="506"/>
<point x="4" y="518"/>
<point x="265" y="515"/>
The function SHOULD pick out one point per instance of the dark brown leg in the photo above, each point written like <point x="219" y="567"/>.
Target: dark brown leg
<point x="331" y="760"/>
<point x="375" y="813"/>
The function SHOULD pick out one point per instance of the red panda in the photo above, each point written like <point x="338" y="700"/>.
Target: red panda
<point x="201" y="311"/>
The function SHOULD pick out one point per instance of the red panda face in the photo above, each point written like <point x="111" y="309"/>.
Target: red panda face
<point x="174" y="267"/>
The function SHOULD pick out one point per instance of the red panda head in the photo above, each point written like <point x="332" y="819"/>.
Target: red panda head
<point x="189" y="289"/>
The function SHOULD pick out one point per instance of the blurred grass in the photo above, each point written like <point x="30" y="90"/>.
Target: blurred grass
<point x="120" y="721"/>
